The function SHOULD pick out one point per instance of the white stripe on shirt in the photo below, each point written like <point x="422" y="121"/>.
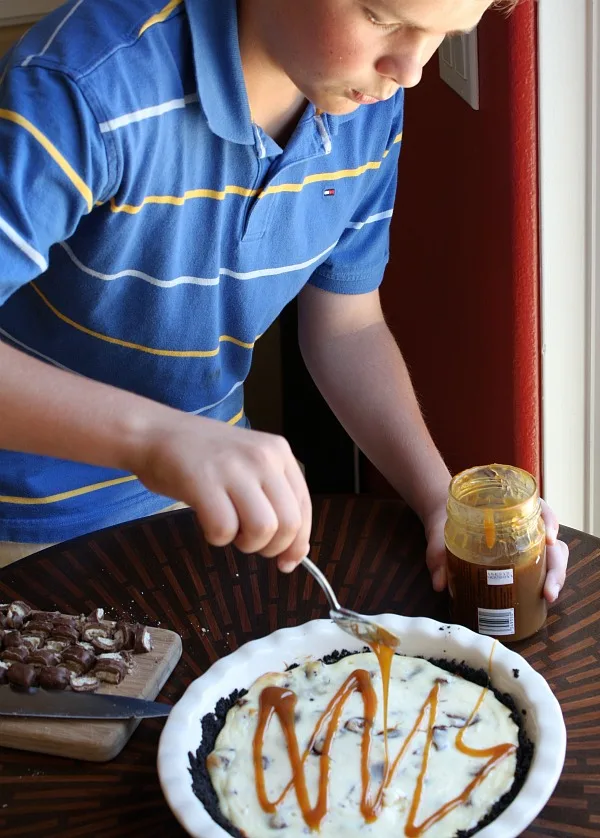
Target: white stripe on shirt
<point x="193" y="280"/>
<point x="33" y="351"/>
<point x="380" y="216"/>
<point x="25" y="248"/>
<point x="216" y="404"/>
<point x="50" y="40"/>
<point x="147" y="113"/>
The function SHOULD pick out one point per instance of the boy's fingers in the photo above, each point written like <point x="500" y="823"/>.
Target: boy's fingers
<point x="258" y="521"/>
<point x="300" y="547"/>
<point x="551" y="522"/>
<point x="287" y="510"/>
<point x="557" y="557"/>
<point x="217" y="517"/>
<point x="439" y="579"/>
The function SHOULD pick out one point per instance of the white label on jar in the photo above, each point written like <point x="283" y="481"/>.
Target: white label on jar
<point x="496" y="621"/>
<point x="500" y="577"/>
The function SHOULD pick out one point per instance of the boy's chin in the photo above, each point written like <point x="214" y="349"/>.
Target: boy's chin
<point x="335" y="105"/>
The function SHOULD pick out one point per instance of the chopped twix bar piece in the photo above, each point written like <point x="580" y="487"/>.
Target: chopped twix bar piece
<point x="93" y="630"/>
<point x="111" y="670"/>
<point x="84" y="683"/>
<point x="78" y="660"/>
<point x="125" y="634"/>
<point x="22" y="675"/>
<point x="16" y="614"/>
<point x="143" y="640"/>
<point x="16" y="653"/>
<point x="54" y="677"/>
<point x="106" y="644"/>
<point x="62" y="632"/>
<point x="44" y="657"/>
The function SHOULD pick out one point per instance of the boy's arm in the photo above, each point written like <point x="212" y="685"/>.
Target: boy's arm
<point x="245" y="486"/>
<point x="359" y="369"/>
<point x="356" y="363"/>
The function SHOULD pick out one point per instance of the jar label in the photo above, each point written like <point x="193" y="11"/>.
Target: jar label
<point x="500" y="577"/>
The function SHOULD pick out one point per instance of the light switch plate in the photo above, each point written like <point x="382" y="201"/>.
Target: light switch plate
<point x="459" y="66"/>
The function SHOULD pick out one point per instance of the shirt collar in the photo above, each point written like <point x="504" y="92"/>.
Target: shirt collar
<point x="219" y="74"/>
<point x="221" y="85"/>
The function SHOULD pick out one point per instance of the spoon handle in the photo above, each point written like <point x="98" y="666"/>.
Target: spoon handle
<point x="322" y="580"/>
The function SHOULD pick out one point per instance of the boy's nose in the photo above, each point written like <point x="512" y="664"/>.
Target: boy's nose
<point x="405" y="66"/>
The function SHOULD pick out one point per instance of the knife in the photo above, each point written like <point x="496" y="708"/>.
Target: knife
<point x="73" y="705"/>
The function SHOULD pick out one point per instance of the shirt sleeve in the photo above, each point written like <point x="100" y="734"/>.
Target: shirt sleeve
<point x="53" y="169"/>
<point x="357" y="263"/>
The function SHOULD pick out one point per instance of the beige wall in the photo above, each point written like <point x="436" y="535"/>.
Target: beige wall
<point x="10" y="35"/>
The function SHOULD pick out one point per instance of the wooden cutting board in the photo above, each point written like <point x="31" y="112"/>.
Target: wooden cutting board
<point x="98" y="741"/>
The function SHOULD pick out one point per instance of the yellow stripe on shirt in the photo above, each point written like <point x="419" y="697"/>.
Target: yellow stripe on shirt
<point x="160" y="16"/>
<point x="76" y="180"/>
<point x="166" y="353"/>
<point x="73" y="493"/>
<point x="179" y="200"/>
<point x="397" y="139"/>
<point x="323" y="177"/>
<point x="221" y="194"/>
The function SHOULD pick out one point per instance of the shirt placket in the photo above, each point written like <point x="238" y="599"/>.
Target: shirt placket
<point x="312" y="140"/>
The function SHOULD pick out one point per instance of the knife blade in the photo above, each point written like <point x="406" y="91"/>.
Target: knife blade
<point x="73" y="705"/>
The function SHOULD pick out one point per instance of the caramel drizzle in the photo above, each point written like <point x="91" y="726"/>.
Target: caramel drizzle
<point x="282" y="702"/>
<point x="489" y="528"/>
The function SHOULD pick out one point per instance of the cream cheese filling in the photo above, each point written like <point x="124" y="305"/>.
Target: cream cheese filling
<point x="430" y="751"/>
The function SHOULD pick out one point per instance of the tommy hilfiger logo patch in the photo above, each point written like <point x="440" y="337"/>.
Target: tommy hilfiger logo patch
<point x="329" y="193"/>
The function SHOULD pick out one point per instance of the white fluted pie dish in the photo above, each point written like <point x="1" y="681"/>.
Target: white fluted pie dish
<point x="421" y="637"/>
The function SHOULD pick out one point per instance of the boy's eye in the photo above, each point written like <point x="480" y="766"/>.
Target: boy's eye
<point x="372" y="18"/>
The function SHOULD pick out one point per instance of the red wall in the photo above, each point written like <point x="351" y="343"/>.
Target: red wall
<point x="461" y="291"/>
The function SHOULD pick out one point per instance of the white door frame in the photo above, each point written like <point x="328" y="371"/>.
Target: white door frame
<point x="570" y="308"/>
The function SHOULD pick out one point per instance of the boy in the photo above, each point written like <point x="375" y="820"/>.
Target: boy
<point x="171" y="176"/>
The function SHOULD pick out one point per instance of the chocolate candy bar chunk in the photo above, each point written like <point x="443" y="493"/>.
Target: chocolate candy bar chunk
<point x="93" y="630"/>
<point x="106" y="644"/>
<point x="65" y="620"/>
<point x="78" y="660"/>
<point x="143" y="641"/>
<point x="62" y="632"/>
<point x="32" y="642"/>
<point x="111" y="670"/>
<point x="22" y="675"/>
<point x="54" y="677"/>
<point x="84" y="683"/>
<point x="40" y="628"/>
<point x="44" y="657"/>
<point x="16" y="653"/>
<point x="125" y="634"/>
<point x="44" y="616"/>
<point x="12" y="638"/>
<point x="16" y="614"/>
<point x="57" y="645"/>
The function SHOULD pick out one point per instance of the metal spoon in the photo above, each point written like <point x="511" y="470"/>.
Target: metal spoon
<point x="357" y="625"/>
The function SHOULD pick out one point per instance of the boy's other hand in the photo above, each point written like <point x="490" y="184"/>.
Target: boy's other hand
<point x="245" y="486"/>
<point x="557" y="552"/>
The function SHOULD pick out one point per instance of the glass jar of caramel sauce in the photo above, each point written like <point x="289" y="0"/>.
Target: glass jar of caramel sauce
<point x="496" y="549"/>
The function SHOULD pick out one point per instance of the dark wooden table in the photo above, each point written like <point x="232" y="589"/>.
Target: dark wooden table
<point x="162" y="572"/>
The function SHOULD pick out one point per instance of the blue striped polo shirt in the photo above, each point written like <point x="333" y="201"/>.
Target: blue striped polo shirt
<point x="150" y="232"/>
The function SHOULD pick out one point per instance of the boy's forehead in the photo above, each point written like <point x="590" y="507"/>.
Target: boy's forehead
<point x="436" y="17"/>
